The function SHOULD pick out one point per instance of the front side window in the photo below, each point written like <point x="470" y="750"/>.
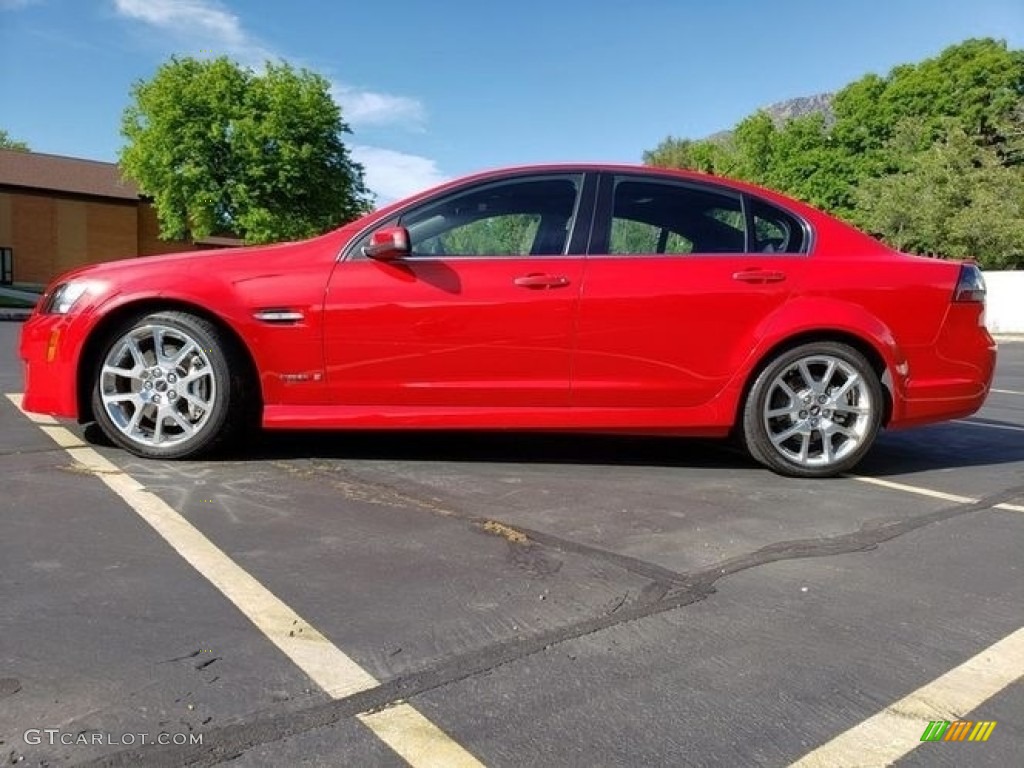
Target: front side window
<point x="530" y="216"/>
<point x="653" y="217"/>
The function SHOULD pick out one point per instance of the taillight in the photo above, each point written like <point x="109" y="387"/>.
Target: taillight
<point x="970" y="288"/>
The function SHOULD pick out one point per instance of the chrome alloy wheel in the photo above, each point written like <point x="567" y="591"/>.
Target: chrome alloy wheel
<point x="157" y="386"/>
<point x="818" y="411"/>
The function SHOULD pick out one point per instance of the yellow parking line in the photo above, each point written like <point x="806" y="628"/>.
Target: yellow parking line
<point x="406" y="731"/>
<point x="918" y="490"/>
<point x="892" y="733"/>
<point x="1005" y="427"/>
<point x="416" y="739"/>
<point x="62" y="437"/>
<point x="35" y="418"/>
<point x="914" y="489"/>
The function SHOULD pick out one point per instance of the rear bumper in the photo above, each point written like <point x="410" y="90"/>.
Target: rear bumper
<point x="950" y="379"/>
<point x="940" y="403"/>
<point x="49" y="365"/>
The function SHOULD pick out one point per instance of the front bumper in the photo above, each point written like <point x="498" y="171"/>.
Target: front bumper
<point x="49" y="351"/>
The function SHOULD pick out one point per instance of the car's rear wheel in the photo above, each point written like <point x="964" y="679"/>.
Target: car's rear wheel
<point x="168" y="385"/>
<point x="813" y="411"/>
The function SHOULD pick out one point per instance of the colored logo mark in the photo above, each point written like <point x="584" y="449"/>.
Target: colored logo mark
<point x="959" y="730"/>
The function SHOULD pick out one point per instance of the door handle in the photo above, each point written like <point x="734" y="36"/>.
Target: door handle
<point x="540" y="280"/>
<point x="759" y="276"/>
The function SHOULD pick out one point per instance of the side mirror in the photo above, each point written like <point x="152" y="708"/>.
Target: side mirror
<point x="388" y="244"/>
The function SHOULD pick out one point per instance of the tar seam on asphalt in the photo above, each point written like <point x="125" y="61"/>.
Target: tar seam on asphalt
<point x="32" y="451"/>
<point x="231" y="741"/>
<point x="381" y="493"/>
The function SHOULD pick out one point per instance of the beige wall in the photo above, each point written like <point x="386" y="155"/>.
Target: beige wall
<point x="31" y="234"/>
<point x="52" y="234"/>
<point x="149" y="242"/>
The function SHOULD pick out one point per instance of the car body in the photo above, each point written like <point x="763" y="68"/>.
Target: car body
<point x="560" y="297"/>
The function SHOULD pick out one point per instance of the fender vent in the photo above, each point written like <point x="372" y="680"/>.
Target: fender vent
<point x="279" y="316"/>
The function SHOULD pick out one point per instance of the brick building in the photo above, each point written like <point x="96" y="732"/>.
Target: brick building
<point x="61" y="212"/>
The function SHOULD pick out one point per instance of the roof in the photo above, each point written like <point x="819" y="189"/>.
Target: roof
<point x="71" y="175"/>
<point x="581" y="167"/>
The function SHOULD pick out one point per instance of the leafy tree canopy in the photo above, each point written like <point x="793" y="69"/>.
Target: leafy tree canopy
<point x="7" y="142"/>
<point x="879" y="159"/>
<point x="955" y="198"/>
<point x="222" y="148"/>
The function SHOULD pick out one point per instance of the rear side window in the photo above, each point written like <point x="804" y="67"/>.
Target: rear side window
<point x="632" y="236"/>
<point x="653" y="217"/>
<point x="776" y="231"/>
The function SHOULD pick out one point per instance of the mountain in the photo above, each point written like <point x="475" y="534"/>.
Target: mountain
<point x="783" y="111"/>
<point x="804" y="105"/>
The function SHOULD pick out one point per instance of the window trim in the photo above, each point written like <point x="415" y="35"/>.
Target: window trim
<point x="808" y="232"/>
<point x="600" y="231"/>
<point x="582" y="217"/>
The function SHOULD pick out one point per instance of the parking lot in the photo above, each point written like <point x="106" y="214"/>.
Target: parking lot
<point x="508" y="600"/>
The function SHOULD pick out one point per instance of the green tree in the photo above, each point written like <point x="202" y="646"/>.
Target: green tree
<point x="974" y="85"/>
<point x="956" y="198"/>
<point x="7" y="142"/>
<point x="707" y="156"/>
<point x="887" y="156"/>
<point x="222" y="148"/>
<point x="753" y="143"/>
<point x="808" y="166"/>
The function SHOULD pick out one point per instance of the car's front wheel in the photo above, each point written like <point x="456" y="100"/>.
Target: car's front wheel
<point x="813" y="411"/>
<point x="167" y="386"/>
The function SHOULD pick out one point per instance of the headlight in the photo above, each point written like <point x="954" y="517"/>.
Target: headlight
<point x="66" y="295"/>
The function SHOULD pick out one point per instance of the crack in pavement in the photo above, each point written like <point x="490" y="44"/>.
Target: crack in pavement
<point x="31" y="451"/>
<point x="358" y="489"/>
<point x="231" y="741"/>
<point x="375" y="492"/>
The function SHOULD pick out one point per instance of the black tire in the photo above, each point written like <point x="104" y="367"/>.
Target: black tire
<point x="163" y="407"/>
<point x="827" y="425"/>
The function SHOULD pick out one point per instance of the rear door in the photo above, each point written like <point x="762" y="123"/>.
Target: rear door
<point x="678" y="277"/>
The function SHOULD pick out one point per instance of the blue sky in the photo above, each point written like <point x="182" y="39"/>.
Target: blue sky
<point x="437" y="89"/>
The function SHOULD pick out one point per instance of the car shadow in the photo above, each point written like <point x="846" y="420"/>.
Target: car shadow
<point x="497" y="447"/>
<point x="471" y="446"/>
<point x="950" y="445"/>
<point x="942" y="446"/>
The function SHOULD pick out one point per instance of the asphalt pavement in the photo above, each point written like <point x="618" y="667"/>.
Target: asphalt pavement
<point x="509" y="600"/>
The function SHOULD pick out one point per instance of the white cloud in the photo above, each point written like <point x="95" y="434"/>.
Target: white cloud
<point x="200" y="21"/>
<point x="210" y="27"/>
<point x="361" y="107"/>
<point x="393" y="175"/>
<point x="208" y="24"/>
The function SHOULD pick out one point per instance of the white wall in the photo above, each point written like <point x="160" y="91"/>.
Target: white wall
<point x="1005" y="310"/>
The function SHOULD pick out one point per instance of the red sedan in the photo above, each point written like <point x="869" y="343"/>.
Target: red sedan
<point x="588" y="298"/>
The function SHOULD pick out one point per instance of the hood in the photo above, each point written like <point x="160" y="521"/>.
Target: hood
<point x="192" y="261"/>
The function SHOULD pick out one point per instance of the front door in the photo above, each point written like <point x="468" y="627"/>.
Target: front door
<point x="479" y="315"/>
